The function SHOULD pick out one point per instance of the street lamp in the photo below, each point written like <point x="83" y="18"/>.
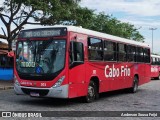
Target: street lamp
<point x="152" y="36"/>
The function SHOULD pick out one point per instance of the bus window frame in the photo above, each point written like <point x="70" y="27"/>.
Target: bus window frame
<point x="74" y="52"/>
<point x="98" y="51"/>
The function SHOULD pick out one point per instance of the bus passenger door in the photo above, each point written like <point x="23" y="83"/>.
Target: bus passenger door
<point x="76" y="70"/>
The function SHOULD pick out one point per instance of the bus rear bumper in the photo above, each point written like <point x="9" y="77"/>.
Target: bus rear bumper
<point x="58" y="92"/>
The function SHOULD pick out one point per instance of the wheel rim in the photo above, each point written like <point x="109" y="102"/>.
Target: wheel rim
<point x="135" y="86"/>
<point x="91" y="93"/>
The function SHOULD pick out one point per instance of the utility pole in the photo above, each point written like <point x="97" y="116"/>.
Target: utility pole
<point x="152" y="36"/>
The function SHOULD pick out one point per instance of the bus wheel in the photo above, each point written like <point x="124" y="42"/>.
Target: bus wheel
<point x="91" y="95"/>
<point x="158" y="77"/>
<point x="134" y="87"/>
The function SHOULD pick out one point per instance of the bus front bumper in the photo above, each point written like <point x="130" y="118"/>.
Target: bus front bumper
<point x="57" y="92"/>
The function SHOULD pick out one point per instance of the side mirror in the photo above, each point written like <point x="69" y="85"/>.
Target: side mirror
<point x="10" y="54"/>
<point x="76" y="54"/>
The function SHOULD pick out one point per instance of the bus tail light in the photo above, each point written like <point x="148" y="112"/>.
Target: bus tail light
<point x="59" y="82"/>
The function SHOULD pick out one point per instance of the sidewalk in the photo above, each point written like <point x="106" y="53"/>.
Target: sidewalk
<point x="4" y="84"/>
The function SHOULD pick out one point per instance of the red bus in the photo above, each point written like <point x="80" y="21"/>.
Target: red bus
<point x="69" y="62"/>
<point x="155" y="67"/>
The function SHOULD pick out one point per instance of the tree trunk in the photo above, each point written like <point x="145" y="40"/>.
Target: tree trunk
<point x="9" y="45"/>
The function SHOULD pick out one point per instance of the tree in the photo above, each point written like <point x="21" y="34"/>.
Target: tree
<point x="83" y="17"/>
<point x="107" y="24"/>
<point x="14" y="14"/>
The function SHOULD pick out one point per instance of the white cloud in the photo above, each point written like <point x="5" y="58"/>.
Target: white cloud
<point x="136" y="7"/>
<point x="146" y="23"/>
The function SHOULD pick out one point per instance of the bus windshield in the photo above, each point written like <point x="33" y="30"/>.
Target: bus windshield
<point x="41" y="57"/>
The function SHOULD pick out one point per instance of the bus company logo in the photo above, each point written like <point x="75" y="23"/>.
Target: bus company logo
<point x="116" y="72"/>
<point x="94" y="72"/>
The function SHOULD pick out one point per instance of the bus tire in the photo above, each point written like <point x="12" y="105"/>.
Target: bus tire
<point x="92" y="92"/>
<point x="134" y="87"/>
<point x="158" y="78"/>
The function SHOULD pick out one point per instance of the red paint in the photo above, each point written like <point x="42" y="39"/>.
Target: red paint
<point x="155" y="67"/>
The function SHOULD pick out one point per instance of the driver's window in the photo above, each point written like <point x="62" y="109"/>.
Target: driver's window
<point x="76" y="52"/>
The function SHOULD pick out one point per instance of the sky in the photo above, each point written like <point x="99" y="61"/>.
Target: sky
<point x="143" y="14"/>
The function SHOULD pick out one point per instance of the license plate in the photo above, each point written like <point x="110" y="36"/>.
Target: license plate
<point x="34" y="94"/>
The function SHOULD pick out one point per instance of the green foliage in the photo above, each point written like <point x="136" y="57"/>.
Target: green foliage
<point x="103" y="23"/>
<point x="43" y="12"/>
<point x="107" y="24"/>
<point x="60" y="11"/>
<point x="51" y="12"/>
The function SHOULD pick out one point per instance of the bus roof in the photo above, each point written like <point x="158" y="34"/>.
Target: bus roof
<point x="155" y="56"/>
<point x="96" y="34"/>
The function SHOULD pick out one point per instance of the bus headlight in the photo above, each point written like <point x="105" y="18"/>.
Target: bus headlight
<point x="16" y="81"/>
<point x="59" y="82"/>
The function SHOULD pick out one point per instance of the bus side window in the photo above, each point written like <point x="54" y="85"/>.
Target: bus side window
<point x="153" y="61"/>
<point x="95" y="49"/>
<point x="121" y="52"/>
<point x="147" y="55"/>
<point x="109" y="51"/>
<point x="158" y="61"/>
<point x="78" y="54"/>
<point x="139" y="54"/>
<point x="131" y="51"/>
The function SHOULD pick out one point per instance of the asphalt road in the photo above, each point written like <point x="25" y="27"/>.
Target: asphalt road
<point x="146" y="99"/>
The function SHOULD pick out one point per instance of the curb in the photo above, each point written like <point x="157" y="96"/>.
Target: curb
<point x="6" y="87"/>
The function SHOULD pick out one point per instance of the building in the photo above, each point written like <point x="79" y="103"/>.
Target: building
<point x="6" y="63"/>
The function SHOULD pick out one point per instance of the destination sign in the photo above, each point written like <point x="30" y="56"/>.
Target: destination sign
<point x="28" y="64"/>
<point x="44" y="32"/>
